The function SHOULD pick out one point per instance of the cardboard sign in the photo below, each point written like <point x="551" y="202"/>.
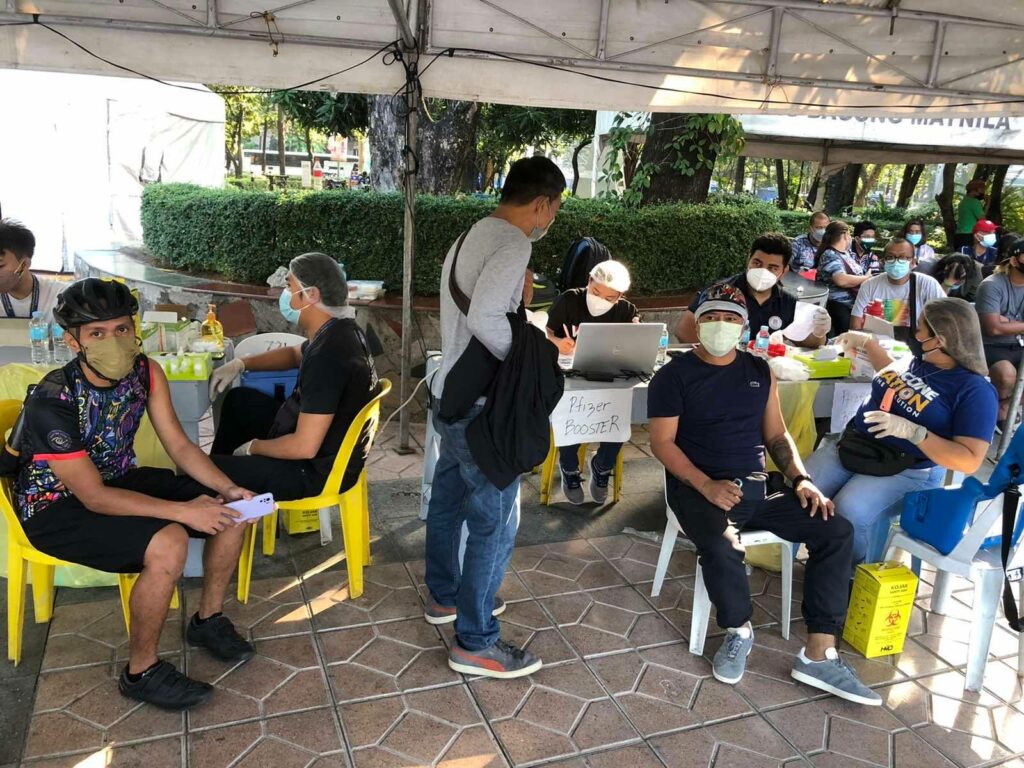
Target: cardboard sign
<point x="846" y="401"/>
<point x="592" y="416"/>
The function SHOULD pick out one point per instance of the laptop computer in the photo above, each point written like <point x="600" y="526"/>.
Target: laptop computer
<point x="615" y="348"/>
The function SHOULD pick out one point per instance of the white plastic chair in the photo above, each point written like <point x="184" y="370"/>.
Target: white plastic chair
<point x="983" y="567"/>
<point x="701" y="611"/>
<point x="264" y="342"/>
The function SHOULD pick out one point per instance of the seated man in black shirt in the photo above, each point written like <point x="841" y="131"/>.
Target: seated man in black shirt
<point x="600" y="302"/>
<point x="767" y="303"/>
<point x="288" y="449"/>
<point x="713" y="414"/>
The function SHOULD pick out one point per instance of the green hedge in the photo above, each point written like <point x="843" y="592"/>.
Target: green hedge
<point x="246" y="235"/>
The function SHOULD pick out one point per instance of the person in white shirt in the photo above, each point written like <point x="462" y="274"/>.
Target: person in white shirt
<point x="21" y="292"/>
<point x="898" y="294"/>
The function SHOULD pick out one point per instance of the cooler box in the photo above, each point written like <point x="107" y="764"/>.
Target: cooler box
<point x="880" y="606"/>
<point x="277" y="384"/>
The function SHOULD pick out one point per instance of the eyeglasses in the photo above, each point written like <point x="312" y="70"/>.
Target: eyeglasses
<point x="895" y="260"/>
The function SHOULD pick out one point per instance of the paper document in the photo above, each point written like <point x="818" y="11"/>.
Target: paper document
<point x="878" y="327"/>
<point x="846" y="401"/>
<point x="803" y="322"/>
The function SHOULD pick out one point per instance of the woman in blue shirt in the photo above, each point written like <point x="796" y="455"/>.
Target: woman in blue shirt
<point x="839" y="270"/>
<point x="937" y="413"/>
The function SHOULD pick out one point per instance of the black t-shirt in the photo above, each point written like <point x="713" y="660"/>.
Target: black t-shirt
<point x="337" y="375"/>
<point x="776" y="313"/>
<point x="720" y="409"/>
<point x="570" y="309"/>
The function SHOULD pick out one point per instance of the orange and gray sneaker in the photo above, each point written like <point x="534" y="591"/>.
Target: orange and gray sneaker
<point x="502" y="660"/>
<point x="435" y="613"/>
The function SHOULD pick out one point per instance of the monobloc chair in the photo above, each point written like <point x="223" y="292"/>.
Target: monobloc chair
<point x="550" y="468"/>
<point x="353" y="504"/>
<point x="701" y="611"/>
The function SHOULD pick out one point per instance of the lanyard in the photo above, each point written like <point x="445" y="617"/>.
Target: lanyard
<point x="33" y="306"/>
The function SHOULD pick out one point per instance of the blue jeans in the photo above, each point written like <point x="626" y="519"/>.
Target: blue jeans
<point x="606" y="455"/>
<point x="461" y="493"/>
<point x="870" y="503"/>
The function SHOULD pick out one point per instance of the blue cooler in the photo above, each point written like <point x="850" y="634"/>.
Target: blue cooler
<point x="277" y="384"/>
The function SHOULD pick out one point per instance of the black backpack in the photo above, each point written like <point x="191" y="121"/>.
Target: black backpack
<point x="583" y="255"/>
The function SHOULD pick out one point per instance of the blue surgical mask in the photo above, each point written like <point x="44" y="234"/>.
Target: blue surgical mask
<point x="914" y="238"/>
<point x="897" y="270"/>
<point x="989" y="240"/>
<point x="818" y="233"/>
<point x="285" y="305"/>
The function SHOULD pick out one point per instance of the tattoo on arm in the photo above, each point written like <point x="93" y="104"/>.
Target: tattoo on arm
<point x="782" y="453"/>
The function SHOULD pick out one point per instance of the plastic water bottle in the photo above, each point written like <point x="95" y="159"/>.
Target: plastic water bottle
<point x="761" y="342"/>
<point x="663" y="345"/>
<point x="39" y="338"/>
<point x="61" y="351"/>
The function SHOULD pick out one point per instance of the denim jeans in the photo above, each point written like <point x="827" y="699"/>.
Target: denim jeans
<point x="870" y="503"/>
<point x="606" y="455"/>
<point x="461" y="493"/>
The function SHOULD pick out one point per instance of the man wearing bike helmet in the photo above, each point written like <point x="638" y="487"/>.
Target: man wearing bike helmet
<point x="82" y="498"/>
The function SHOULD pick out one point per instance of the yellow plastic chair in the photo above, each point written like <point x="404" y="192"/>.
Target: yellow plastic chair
<point x="354" y="504"/>
<point x="548" y="471"/>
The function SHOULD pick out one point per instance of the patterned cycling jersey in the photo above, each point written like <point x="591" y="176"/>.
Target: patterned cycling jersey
<point x="66" y="417"/>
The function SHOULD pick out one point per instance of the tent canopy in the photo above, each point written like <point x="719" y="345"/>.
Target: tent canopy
<point x="869" y="57"/>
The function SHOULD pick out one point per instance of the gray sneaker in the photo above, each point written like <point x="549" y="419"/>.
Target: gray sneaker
<point x="834" y="676"/>
<point x="572" y="486"/>
<point x="598" y="482"/>
<point x="731" y="659"/>
<point x="502" y="660"/>
<point x="435" y="613"/>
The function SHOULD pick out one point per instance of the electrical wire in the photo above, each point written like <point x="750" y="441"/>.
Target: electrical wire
<point x="402" y="406"/>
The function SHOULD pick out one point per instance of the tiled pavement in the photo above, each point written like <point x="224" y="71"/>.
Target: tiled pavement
<point x="340" y="682"/>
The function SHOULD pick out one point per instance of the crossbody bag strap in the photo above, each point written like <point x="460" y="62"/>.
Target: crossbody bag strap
<point x="913" y="303"/>
<point x="1011" y="500"/>
<point x="461" y="300"/>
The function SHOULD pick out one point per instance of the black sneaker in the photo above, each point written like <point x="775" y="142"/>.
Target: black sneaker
<point x="217" y="635"/>
<point x="598" y="482"/>
<point x="164" y="686"/>
<point x="572" y="486"/>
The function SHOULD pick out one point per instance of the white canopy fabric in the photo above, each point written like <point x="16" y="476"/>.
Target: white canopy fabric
<point x="861" y="57"/>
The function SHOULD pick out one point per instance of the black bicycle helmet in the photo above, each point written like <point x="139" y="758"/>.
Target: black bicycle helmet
<point x="92" y="300"/>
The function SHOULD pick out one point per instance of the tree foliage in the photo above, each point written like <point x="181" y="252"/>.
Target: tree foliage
<point x="341" y="114"/>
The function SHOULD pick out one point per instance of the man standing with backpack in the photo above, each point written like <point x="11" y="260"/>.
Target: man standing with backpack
<point x="486" y="266"/>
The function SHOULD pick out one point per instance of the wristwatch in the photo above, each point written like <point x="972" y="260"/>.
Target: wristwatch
<point x="801" y="479"/>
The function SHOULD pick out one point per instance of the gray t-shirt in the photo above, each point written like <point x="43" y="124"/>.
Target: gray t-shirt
<point x="998" y="296"/>
<point x="490" y="271"/>
<point x="894" y="299"/>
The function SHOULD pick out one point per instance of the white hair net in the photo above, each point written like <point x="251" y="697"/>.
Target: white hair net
<point x="957" y="323"/>
<point x="611" y="274"/>
<point x="318" y="270"/>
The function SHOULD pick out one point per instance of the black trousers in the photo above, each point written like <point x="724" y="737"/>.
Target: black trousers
<point x="718" y="536"/>
<point x="248" y="414"/>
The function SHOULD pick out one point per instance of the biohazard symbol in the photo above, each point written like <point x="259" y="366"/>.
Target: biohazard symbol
<point x="892" y="619"/>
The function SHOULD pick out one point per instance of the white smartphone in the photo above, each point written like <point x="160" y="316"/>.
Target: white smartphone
<point x="253" y="508"/>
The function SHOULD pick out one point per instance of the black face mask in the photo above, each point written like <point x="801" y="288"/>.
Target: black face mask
<point x="1019" y="266"/>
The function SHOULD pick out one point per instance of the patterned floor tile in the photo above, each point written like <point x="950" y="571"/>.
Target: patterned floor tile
<point x="558" y="712"/>
<point x="379" y="659"/>
<point x="388" y="594"/>
<point x="512" y="588"/>
<point x="608" y="620"/>
<point x="290" y="741"/>
<point x="636" y="558"/>
<point x="639" y="756"/>
<point x="555" y="569"/>
<point x="440" y="727"/>
<point x="162" y="753"/>
<point x="276" y="607"/>
<point x="749" y="742"/>
<point x="675" y="603"/>
<point x="667" y="688"/>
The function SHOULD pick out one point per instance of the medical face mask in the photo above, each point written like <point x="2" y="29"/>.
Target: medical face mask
<point x="9" y="278"/>
<point x="818" y="233"/>
<point x="112" y="357"/>
<point x="921" y="342"/>
<point x="597" y="305"/>
<point x="867" y="242"/>
<point x="897" y="270"/>
<point x="538" y="232"/>
<point x="989" y="240"/>
<point x="284" y="303"/>
<point x="719" y="337"/>
<point x="914" y="238"/>
<point x="760" y="279"/>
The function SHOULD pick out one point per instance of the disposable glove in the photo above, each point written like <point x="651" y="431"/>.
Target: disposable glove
<point x="821" y="322"/>
<point x="224" y="376"/>
<point x="245" y="449"/>
<point x="884" y="424"/>
<point x="851" y="341"/>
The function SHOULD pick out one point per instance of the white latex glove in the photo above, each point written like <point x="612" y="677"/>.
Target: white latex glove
<point x="245" y="449"/>
<point x="224" y="376"/>
<point x="884" y="424"/>
<point x="851" y="341"/>
<point x="821" y="323"/>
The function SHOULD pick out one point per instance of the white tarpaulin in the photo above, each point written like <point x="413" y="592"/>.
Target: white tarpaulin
<point x="81" y="148"/>
<point x="787" y="56"/>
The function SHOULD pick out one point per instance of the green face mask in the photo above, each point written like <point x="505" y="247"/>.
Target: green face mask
<point x="113" y="357"/>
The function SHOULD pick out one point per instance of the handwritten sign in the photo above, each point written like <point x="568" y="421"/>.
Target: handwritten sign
<point x="846" y="401"/>
<point x="592" y="416"/>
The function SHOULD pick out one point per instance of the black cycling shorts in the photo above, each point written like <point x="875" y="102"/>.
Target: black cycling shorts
<point x="114" y="543"/>
<point x="997" y="353"/>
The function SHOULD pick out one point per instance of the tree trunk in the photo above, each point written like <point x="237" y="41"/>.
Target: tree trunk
<point x="868" y="183"/>
<point x="668" y="184"/>
<point x="576" y="163"/>
<point x="280" y="145"/>
<point x="741" y="174"/>
<point x="782" y="184"/>
<point x="812" y="191"/>
<point x="387" y="137"/>
<point x="840" y="189"/>
<point x="447" y="147"/>
<point x="945" y="201"/>
<point x="911" y="177"/>
<point x="309" y="147"/>
<point x="984" y="172"/>
<point x="799" y="183"/>
<point x="263" y="145"/>
<point x="994" y="211"/>
<point x="238" y="145"/>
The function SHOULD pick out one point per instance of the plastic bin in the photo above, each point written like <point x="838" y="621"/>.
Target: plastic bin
<point x="277" y="384"/>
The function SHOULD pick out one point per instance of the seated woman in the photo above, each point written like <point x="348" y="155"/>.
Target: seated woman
<point x="914" y="232"/>
<point x="841" y="272"/>
<point x="288" y="450"/>
<point x="937" y="413"/>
